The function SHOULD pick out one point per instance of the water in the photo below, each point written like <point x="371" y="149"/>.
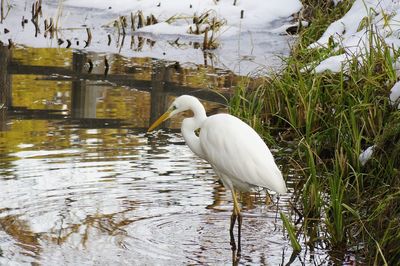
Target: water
<point x="119" y="196"/>
<point x="82" y="183"/>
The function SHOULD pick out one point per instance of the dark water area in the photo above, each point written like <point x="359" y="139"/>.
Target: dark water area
<point x="82" y="183"/>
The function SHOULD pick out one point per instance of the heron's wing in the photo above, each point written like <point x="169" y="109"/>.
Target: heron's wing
<point x="235" y="150"/>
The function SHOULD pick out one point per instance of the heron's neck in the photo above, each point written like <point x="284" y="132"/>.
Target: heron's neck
<point x="189" y="125"/>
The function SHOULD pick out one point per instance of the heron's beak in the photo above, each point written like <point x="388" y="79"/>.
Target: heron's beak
<point x="161" y="119"/>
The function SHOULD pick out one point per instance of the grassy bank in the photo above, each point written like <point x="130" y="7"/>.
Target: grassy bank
<point x="330" y="118"/>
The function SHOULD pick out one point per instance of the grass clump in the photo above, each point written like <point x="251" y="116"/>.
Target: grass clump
<point x="331" y="118"/>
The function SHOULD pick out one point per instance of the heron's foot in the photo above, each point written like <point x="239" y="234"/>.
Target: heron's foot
<point x="235" y="258"/>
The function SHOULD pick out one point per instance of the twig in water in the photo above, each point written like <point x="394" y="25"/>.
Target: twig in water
<point x="24" y="21"/>
<point x="45" y="28"/>
<point x="141" y="19"/>
<point x="90" y="66"/>
<point x="122" y="21"/>
<point x="140" y="44"/>
<point x="51" y="27"/>
<point x="2" y="11"/>
<point x="122" y="43"/>
<point x="106" y="66"/>
<point x="205" y="42"/>
<point x="89" y="39"/>
<point x="153" y="19"/>
<point x="36" y="10"/>
<point x="109" y="39"/>
<point x="2" y="15"/>
<point x="133" y="19"/>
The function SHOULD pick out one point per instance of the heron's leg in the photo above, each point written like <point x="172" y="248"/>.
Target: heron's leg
<point x="236" y="208"/>
<point x="235" y="215"/>
<point x="233" y="220"/>
<point x="239" y="218"/>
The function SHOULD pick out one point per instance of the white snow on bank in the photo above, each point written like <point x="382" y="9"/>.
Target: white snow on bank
<point x="257" y="14"/>
<point x="366" y="155"/>
<point x="176" y="16"/>
<point x="333" y="63"/>
<point x="335" y="2"/>
<point x="352" y="35"/>
<point x="395" y="95"/>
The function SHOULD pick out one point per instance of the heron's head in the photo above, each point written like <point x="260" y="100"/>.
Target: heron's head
<point x="180" y="104"/>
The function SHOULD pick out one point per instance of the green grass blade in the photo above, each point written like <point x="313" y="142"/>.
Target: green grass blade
<point x="291" y="231"/>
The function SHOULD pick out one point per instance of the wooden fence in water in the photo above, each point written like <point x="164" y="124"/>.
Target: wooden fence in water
<point x="160" y="86"/>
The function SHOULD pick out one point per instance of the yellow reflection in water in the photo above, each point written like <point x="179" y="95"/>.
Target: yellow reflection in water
<point x="43" y="56"/>
<point x="34" y="92"/>
<point x="23" y="132"/>
<point x="122" y="103"/>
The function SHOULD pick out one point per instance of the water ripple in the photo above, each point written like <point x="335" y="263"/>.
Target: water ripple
<point x="141" y="201"/>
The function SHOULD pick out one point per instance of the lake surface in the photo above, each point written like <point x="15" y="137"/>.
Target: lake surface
<point x="82" y="183"/>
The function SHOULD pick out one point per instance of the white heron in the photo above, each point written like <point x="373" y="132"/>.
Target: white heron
<point x="235" y="151"/>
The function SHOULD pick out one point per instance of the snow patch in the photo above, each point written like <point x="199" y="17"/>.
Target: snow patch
<point x="352" y="33"/>
<point x="366" y="155"/>
<point x="395" y="95"/>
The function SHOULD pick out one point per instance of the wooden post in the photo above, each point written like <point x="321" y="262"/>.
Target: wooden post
<point x="83" y="95"/>
<point x="78" y="86"/>
<point x="159" y="98"/>
<point x="78" y="61"/>
<point x="84" y="99"/>
<point x="5" y="86"/>
<point x="5" y="78"/>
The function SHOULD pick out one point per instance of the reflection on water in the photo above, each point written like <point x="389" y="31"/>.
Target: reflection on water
<point x="83" y="183"/>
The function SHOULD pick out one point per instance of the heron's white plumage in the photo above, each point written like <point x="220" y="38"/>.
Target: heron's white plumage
<point x="238" y="153"/>
<point x="235" y="151"/>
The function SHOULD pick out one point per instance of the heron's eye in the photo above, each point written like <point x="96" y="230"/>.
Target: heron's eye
<point x="174" y="107"/>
